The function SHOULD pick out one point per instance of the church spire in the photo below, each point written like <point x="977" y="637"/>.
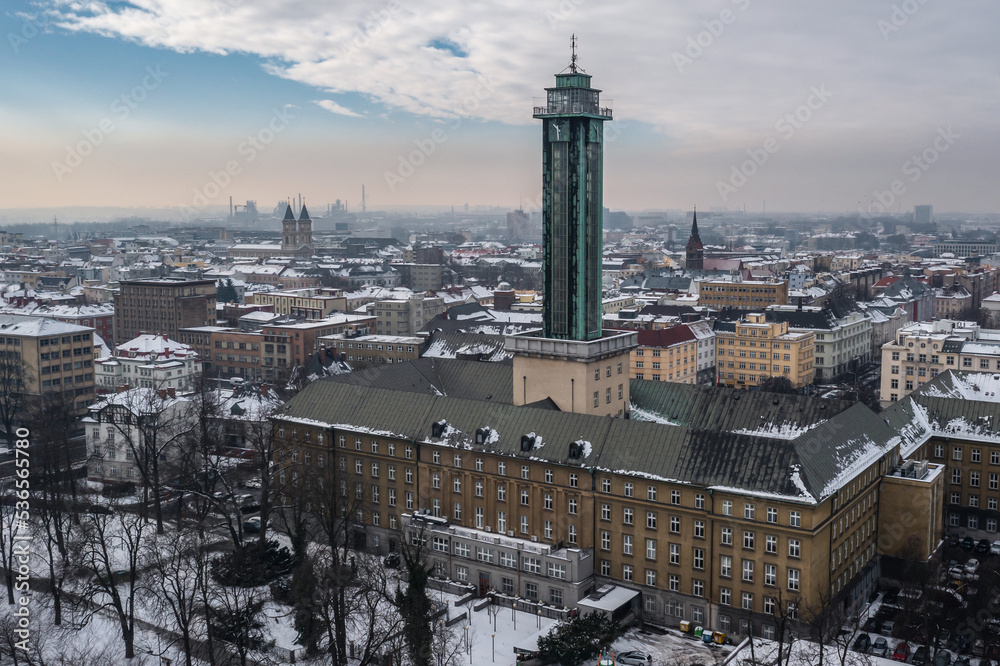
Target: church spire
<point x="694" y="252"/>
<point x="694" y="224"/>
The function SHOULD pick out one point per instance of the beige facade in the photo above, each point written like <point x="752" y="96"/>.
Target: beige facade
<point x="302" y="303"/>
<point x="742" y="295"/>
<point x="580" y="377"/>
<point x="407" y="316"/>
<point x="923" y="350"/>
<point x="753" y="349"/>
<point x="58" y="358"/>
<point x="374" y="349"/>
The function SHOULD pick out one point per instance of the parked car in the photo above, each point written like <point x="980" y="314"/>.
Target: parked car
<point x="968" y="543"/>
<point x="963" y="660"/>
<point x="891" y="596"/>
<point x="953" y="540"/>
<point x="995" y="548"/>
<point x="635" y="658"/>
<point x="252" y="525"/>
<point x="881" y="647"/>
<point x="887" y="627"/>
<point x="971" y="565"/>
<point x="902" y="651"/>
<point x="943" y="658"/>
<point x="862" y="643"/>
<point x="391" y="560"/>
<point x="250" y="508"/>
<point x="983" y="546"/>
<point x="919" y="656"/>
<point x="873" y="625"/>
<point x="252" y="483"/>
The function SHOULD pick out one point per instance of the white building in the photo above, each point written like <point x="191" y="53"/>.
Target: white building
<point x="149" y="361"/>
<point x="120" y="436"/>
<point x="843" y="344"/>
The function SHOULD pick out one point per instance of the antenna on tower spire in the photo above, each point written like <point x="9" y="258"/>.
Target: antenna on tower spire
<point x="572" y="62"/>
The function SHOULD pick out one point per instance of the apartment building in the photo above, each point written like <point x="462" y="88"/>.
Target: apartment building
<point x="753" y="349"/>
<point x="58" y="358"/>
<point x="228" y="352"/>
<point x="375" y="349"/>
<point x="130" y="422"/>
<point x="301" y="303"/>
<point x="149" y="361"/>
<point x="550" y="505"/>
<point x="420" y="277"/>
<point x="727" y="292"/>
<point x="674" y="355"/>
<point x="407" y="316"/>
<point x="300" y="338"/>
<point x="162" y="307"/>
<point x="843" y="343"/>
<point x="924" y="350"/>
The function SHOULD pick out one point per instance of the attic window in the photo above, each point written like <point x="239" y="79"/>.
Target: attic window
<point x="437" y="428"/>
<point x="575" y="450"/>
<point x="481" y="435"/>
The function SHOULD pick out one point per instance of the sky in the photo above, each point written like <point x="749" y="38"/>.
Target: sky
<point x="817" y="106"/>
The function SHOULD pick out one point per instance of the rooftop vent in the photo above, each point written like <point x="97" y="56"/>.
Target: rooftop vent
<point x="437" y="428"/>
<point x="527" y="442"/>
<point x="575" y="450"/>
<point x="481" y="435"/>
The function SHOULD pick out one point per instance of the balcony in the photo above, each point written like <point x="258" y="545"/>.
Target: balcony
<point x="576" y="109"/>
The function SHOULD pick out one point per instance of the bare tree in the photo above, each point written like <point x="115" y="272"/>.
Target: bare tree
<point x="177" y="566"/>
<point x="236" y="619"/>
<point x="111" y="550"/>
<point x="8" y="533"/>
<point x="151" y="425"/>
<point x="14" y="379"/>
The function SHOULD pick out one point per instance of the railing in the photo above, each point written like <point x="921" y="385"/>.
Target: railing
<point x="559" y="109"/>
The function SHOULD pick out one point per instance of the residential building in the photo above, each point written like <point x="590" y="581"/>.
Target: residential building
<point x="149" y="361"/>
<point x="753" y="349"/>
<point x="302" y="303"/>
<point x="374" y="349"/>
<point x="126" y="429"/>
<point x="58" y="358"/>
<point x="420" y="277"/>
<point x="726" y="292"/>
<point x="965" y="248"/>
<point x="923" y="350"/>
<point x="407" y="316"/>
<point x="300" y="337"/>
<point x="674" y="354"/>
<point x="162" y="307"/>
<point x="843" y="338"/>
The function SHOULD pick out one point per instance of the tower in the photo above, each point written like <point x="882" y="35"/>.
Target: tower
<point x="305" y="233"/>
<point x="572" y="361"/>
<point x="289" y="233"/>
<point x="572" y="204"/>
<point x="694" y="253"/>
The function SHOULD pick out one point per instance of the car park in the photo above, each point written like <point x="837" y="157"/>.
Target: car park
<point x="902" y="651"/>
<point x="862" y="643"/>
<point x="881" y="647"/>
<point x="634" y="658"/>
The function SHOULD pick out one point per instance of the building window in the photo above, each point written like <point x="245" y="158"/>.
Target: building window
<point x="772" y="515"/>
<point x="793" y="580"/>
<point x="748" y="538"/>
<point x="795" y="519"/>
<point x="727" y="536"/>
<point x="675" y="553"/>
<point x="748" y="511"/>
<point x="748" y="571"/>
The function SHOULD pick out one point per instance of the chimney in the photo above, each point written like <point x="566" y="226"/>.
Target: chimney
<point x="121" y="388"/>
<point x="264" y="389"/>
<point x="162" y="394"/>
<point x="172" y="392"/>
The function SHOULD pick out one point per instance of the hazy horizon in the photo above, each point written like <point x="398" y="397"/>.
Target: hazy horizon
<point x="822" y="107"/>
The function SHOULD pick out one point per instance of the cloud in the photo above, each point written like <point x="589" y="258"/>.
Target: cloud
<point x="333" y="107"/>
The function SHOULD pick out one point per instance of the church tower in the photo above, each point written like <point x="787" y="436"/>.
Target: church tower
<point x="289" y="233"/>
<point x="305" y="233"/>
<point x="694" y="253"/>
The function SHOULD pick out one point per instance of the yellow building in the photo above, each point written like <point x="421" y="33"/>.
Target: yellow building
<point x="742" y="294"/>
<point x="753" y="349"/>
<point x="666" y="355"/>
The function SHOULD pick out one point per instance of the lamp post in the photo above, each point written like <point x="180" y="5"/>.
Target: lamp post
<point x="539" y="618"/>
<point x="513" y="612"/>
<point x="494" y="638"/>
